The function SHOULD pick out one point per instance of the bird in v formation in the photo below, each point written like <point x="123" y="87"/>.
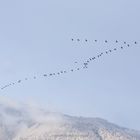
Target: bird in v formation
<point x="85" y="64"/>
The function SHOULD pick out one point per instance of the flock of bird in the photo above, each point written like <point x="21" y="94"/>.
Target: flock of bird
<point x="84" y="65"/>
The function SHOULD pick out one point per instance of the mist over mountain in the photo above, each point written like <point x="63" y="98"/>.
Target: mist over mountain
<point x="24" y="122"/>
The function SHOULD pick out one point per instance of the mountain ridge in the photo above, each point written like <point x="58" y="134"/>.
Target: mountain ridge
<point x="30" y="123"/>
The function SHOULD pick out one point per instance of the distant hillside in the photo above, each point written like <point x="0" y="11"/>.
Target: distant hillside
<point x="27" y="123"/>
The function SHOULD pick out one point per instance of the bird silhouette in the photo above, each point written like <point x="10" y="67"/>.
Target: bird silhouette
<point x="84" y="65"/>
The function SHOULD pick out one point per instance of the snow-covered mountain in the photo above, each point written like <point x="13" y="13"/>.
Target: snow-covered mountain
<point x="27" y="123"/>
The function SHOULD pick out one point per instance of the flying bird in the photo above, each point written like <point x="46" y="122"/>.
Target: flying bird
<point x="19" y="81"/>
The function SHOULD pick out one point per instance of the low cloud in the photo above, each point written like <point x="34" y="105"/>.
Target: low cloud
<point x="16" y="118"/>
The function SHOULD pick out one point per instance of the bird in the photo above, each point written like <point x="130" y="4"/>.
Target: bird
<point x="85" y="65"/>
<point x="19" y="81"/>
<point x="58" y="73"/>
<point x="72" y="70"/>
<point x="124" y="42"/>
<point x="95" y="40"/>
<point x="115" y="49"/>
<point x="135" y="42"/>
<point x="121" y="47"/>
<point x="86" y="40"/>
<point x="45" y="75"/>
<point x="72" y="39"/>
<point x="116" y="41"/>
<point x="78" y="39"/>
<point x="105" y="41"/>
<point x="78" y="68"/>
<point x="128" y="45"/>
<point x="110" y="50"/>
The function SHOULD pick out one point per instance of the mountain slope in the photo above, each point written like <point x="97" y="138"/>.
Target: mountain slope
<point x="27" y="123"/>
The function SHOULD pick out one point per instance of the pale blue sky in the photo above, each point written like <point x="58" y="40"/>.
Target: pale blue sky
<point x="35" y="39"/>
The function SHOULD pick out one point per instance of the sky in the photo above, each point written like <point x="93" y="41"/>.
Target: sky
<point x="35" y="38"/>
